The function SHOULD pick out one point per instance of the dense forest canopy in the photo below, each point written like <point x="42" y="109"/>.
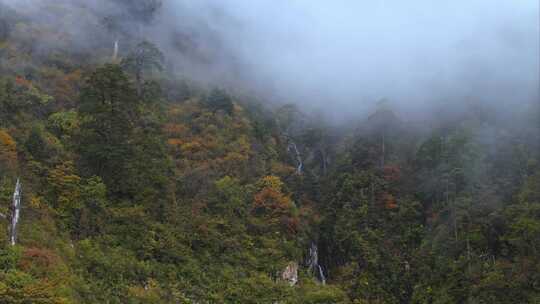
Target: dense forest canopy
<point x="159" y="151"/>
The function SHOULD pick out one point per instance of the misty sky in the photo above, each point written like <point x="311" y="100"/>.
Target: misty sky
<point x="344" y="55"/>
<point x="347" y="53"/>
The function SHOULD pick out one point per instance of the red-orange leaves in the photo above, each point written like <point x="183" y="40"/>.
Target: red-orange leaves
<point x="391" y="173"/>
<point x="38" y="261"/>
<point x="276" y="208"/>
<point x="389" y="201"/>
<point x="271" y="203"/>
<point x="22" y="81"/>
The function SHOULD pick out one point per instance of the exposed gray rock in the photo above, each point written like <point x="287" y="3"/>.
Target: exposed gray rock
<point x="290" y="274"/>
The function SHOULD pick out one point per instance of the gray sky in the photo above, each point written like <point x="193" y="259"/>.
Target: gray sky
<point x="342" y="56"/>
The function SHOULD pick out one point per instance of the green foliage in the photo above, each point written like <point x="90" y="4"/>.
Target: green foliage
<point x="141" y="187"/>
<point x="145" y="58"/>
<point x="9" y="258"/>
<point x="64" y="123"/>
<point x="219" y="100"/>
<point x="109" y="111"/>
<point x="19" y="98"/>
<point x="20" y="286"/>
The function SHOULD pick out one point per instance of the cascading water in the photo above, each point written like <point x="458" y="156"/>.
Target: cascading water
<point x="313" y="263"/>
<point x="300" y="165"/>
<point x="115" y="51"/>
<point x="15" y="213"/>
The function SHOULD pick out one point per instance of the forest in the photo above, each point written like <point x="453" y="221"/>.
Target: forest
<point x="129" y="174"/>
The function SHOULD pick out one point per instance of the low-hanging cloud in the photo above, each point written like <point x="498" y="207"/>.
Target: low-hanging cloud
<point x="342" y="56"/>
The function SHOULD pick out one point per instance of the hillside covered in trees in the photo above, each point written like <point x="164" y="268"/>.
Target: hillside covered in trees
<point x="140" y="184"/>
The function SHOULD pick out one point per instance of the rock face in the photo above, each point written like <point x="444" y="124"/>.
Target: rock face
<point x="290" y="274"/>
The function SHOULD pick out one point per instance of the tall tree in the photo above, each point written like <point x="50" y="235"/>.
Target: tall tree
<point x="145" y="58"/>
<point x="109" y="111"/>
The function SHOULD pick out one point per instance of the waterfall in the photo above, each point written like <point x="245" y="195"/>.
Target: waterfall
<point x="313" y="263"/>
<point x="300" y="165"/>
<point x="321" y="275"/>
<point x="15" y="213"/>
<point x="115" y="52"/>
<point x="313" y="259"/>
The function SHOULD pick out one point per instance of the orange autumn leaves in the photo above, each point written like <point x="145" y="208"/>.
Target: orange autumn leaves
<point x="203" y="142"/>
<point x="274" y="206"/>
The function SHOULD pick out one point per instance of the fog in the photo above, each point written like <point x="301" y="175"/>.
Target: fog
<point x="343" y="56"/>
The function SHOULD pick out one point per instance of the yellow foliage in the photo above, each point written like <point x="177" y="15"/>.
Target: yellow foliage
<point x="243" y="145"/>
<point x="174" y="110"/>
<point x="271" y="182"/>
<point x="65" y="183"/>
<point x="8" y="151"/>
<point x="36" y="202"/>
<point x="191" y="147"/>
<point x="235" y="157"/>
<point x="149" y="292"/>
